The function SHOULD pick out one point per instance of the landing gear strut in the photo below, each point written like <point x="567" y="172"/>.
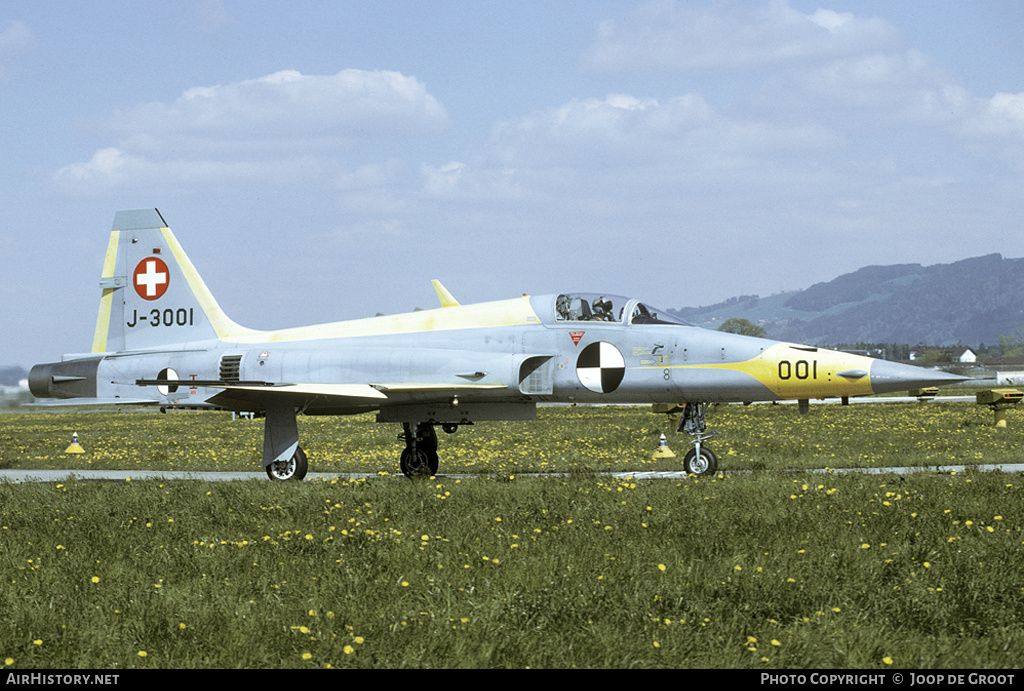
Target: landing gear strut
<point x="700" y="460"/>
<point x="419" y="458"/>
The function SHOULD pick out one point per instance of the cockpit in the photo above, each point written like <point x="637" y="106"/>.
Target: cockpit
<point x="595" y="307"/>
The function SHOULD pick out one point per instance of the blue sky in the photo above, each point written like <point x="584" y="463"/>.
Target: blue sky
<point x="324" y="160"/>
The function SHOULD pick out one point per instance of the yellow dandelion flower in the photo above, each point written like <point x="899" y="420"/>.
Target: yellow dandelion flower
<point x="348" y="650"/>
<point x="307" y="656"/>
<point x="887" y="660"/>
<point x="95" y="579"/>
<point x="661" y="567"/>
<point x="142" y="653"/>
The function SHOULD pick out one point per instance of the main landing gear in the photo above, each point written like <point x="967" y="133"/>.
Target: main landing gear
<point x="700" y="460"/>
<point x="420" y="454"/>
<point x="419" y="458"/>
<point x="294" y="468"/>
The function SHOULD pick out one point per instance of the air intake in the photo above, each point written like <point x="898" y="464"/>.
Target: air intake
<point x="230" y="365"/>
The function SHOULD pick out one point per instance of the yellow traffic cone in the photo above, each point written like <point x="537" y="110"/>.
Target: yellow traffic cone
<point x="663" y="451"/>
<point x="75" y="446"/>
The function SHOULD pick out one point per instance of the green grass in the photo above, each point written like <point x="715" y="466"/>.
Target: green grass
<point x="580" y="439"/>
<point x="759" y="570"/>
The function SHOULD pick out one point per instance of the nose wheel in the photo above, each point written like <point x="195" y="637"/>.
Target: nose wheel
<point x="700" y="460"/>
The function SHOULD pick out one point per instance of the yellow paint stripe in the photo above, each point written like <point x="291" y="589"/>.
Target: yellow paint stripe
<point x="99" y="339"/>
<point x="484" y="315"/>
<point x="222" y="325"/>
<point x="815" y="378"/>
<point x="446" y="298"/>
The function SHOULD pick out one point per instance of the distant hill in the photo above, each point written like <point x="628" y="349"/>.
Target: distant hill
<point x="970" y="302"/>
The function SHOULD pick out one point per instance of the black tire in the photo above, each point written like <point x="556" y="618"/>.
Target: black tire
<point x="418" y="463"/>
<point x="293" y="469"/>
<point x="707" y="464"/>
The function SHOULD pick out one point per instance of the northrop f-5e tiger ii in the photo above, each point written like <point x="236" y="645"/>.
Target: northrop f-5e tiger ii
<point x="162" y="340"/>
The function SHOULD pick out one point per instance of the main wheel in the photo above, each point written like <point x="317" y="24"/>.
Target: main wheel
<point x="293" y="469"/>
<point x="706" y="464"/>
<point x="418" y="462"/>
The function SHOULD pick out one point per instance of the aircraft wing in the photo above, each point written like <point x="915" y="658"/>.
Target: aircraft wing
<point x="437" y="388"/>
<point x="259" y="394"/>
<point x="256" y="393"/>
<point x="329" y="390"/>
<point x="89" y="402"/>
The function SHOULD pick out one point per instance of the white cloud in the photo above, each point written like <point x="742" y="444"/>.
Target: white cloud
<point x="668" y="36"/>
<point x="905" y="88"/>
<point x="113" y="168"/>
<point x="831" y="20"/>
<point x="621" y="131"/>
<point x="16" y="35"/>
<point x="290" y="107"/>
<point x="443" y="181"/>
<point x="1003" y="114"/>
<point x="272" y="126"/>
<point x="619" y="127"/>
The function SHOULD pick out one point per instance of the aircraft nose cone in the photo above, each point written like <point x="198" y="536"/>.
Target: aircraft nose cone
<point x="887" y="377"/>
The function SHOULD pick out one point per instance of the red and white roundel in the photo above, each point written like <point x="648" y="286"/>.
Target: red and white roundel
<point x="151" y="278"/>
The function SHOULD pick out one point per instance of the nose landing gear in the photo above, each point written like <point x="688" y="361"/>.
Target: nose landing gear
<point x="700" y="460"/>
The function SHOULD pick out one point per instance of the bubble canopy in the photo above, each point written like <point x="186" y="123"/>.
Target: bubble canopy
<point x="566" y="308"/>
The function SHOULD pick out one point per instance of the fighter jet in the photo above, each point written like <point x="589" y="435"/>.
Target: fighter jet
<point x="162" y="340"/>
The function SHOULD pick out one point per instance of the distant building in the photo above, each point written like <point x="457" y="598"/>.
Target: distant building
<point x="956" y="354"/>
<point x="967" y="355"/>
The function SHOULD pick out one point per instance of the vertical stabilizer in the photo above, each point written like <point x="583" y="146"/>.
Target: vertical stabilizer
<point x="152" y="296"/>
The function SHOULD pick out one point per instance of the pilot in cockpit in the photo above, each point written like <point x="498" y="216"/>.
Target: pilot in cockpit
<point x="602" y="310"/>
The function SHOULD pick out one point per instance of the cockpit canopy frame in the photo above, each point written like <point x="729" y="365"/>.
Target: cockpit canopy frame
<point x="603" y="307"/>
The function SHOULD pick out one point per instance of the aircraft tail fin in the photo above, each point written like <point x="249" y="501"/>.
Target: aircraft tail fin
<point x="152" y="295"/>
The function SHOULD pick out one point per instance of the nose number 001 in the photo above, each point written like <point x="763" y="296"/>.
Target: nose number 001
<point x="801" y="369"/>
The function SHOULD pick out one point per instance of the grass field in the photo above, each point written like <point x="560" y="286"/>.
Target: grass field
<point x="762" y="570"/>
